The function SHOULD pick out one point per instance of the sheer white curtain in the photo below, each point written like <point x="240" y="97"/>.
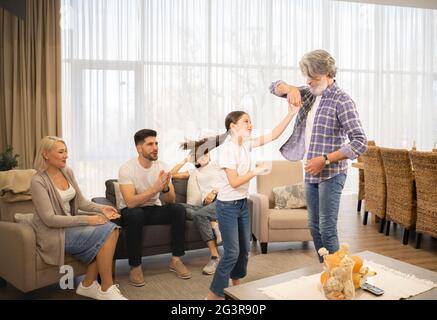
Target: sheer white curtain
<point x="179" y="66"/>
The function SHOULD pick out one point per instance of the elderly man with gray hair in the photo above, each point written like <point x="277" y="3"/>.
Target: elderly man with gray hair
<point x="327" y="117"/>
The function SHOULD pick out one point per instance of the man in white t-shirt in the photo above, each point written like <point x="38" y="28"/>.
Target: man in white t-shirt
<point x="141" y="181"/>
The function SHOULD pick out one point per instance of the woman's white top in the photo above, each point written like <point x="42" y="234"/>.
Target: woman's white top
<point x="208" y="178"/>
<point x="66" y="197"/>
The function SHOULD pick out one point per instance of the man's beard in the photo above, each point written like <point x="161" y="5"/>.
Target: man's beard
<point x="317" y="91"/>
<point x="150" y="157"/>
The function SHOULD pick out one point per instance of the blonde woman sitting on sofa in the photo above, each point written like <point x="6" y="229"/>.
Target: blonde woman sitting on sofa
<point x="61" y="228"/>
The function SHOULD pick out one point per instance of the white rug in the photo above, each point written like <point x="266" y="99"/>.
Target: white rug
<point x="397" y="285"/>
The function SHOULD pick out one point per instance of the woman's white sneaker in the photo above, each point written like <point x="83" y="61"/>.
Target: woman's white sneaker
<point x="90" y="292"/>
<point x="113" y="293"/>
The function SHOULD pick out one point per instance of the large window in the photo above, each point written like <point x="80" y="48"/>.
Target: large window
<point x="179" y="66"/>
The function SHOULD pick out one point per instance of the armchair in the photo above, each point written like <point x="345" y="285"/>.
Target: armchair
<point x="20" y="265"/>
<point x="278" y="225"/>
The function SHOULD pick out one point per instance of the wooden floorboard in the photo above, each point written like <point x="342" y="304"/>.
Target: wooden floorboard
<point x="366" y="237"/>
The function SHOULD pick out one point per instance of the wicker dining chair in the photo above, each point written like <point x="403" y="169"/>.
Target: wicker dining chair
<point x="361" y="191"/>
<point x="375" y="185"/>
<point x="401" y="193"/>
<point x="361" y="188"/>
<point x="425" y="172"/>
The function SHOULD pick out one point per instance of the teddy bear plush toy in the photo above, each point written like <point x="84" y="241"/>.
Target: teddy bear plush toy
<point x="338" y="283"/>
<point x="343" y="273"/>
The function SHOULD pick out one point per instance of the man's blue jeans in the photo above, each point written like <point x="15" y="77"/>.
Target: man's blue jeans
<point x="234" y="223"/>
<point x="323" y="202"/>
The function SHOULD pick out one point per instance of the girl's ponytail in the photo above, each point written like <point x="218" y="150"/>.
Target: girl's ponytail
<point x="203" y="146"/>
<point x="198" y="148"/>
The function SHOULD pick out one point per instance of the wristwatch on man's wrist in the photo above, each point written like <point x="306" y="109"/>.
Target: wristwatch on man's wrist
<point x="327" y="161"/>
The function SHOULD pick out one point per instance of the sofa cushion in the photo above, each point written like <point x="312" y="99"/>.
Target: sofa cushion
<point x="118" y="195"/>
<point x="180" y="187"/>
<point x="103" y="201"/>
<point x="290" y="197"/>
<point x="9" y="209"/>
<point x="288" y="218"/>
<point x="15" y="184"/>
<point x="110" y="191"/>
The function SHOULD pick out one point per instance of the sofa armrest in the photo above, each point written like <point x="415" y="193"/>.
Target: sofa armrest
<point x="103" y="201"/>
<point x="260" y="221"/>
<point x="18" y="255"/>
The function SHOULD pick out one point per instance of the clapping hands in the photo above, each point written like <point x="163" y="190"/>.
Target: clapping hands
<point x="163" y="180"/>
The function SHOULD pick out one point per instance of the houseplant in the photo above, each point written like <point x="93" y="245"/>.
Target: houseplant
<point x="8" y="160"/>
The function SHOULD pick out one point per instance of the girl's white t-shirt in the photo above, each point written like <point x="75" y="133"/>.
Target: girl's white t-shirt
<point x="236" y="157"/>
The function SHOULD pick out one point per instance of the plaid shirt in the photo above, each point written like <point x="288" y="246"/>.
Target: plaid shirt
<point x="336" y="119"/>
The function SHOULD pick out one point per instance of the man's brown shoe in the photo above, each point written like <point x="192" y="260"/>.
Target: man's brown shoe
<point x="136" y="276"/>
<point x="180" y="269"/>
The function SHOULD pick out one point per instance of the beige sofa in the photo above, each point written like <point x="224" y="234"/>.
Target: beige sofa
<point x="20" y="265"/>
<point x="156" y="238"/>
<point x="278" y="225"/>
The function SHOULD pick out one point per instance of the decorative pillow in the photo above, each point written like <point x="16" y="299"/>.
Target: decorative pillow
<point x="290" y="197"/>
<point x="194" y="197"/>
<point x="118" y="195"/>
<point x="25" y="218"/>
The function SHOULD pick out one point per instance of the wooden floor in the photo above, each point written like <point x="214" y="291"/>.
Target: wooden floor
<point x="293" y="254"/>
<point x="366" y="237"/>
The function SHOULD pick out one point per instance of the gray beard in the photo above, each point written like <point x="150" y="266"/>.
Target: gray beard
<point x="319" y="89"/>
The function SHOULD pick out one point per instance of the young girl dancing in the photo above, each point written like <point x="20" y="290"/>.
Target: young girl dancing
<point x="232" y="210"/>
